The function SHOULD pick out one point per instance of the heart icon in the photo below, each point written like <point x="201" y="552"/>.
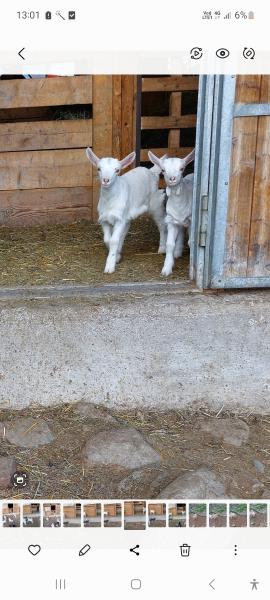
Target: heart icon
<point x="34" y="549"/>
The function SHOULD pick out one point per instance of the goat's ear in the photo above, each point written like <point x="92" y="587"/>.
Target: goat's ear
<point x="128" y="160"/>
<point x="155" y="160"/>
<point x="189" y="158"/>
<point x="92" y="157"/>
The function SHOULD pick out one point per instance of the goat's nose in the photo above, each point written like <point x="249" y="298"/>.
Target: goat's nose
<point x="105" y="180"/>
<point x="173" y="178"/>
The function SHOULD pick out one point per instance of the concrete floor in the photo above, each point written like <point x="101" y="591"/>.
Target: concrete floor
<point x="156" y="345"/>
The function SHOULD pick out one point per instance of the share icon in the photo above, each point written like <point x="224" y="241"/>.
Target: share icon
<point x="134" y="550"/>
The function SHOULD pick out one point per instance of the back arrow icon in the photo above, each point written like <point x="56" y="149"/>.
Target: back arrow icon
<point x="211" y="582"/>
<point x="20" y="53"/>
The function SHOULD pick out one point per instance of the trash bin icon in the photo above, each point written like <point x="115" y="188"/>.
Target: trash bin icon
<point x="185" y="550"/>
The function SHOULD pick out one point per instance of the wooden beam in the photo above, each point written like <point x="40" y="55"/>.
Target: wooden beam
<point x="102" y="126"/>
<point x="128" y="114"/>
<point x="56" y="91"/>
<point x="173" y="83"/>
<point x="117" y="116"/>
<point x="44" y="169"/>
<point x="175" y="111"/>
<point x="45" y="135"/>
<point x="184" y="121"/>
<point x="25" y="208"/>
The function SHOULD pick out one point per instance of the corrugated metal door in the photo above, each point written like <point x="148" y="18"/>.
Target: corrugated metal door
<point x="230" y="242"/>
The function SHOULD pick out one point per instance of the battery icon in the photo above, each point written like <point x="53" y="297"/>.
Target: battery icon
<point x="48" y="15"/>
<point x="251" y="14"/>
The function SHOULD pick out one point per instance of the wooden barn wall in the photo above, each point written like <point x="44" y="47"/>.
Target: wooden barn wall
<point x="248" y="225"/>
<point x="45" y="176"/>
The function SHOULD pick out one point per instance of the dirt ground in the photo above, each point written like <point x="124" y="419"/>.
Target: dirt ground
<point x="75" y="254"/>
<point x="57" y="471"/>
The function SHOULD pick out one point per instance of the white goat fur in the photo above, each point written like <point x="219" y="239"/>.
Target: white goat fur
<point x="124" y="198"/>
<point x="179" y="192"/>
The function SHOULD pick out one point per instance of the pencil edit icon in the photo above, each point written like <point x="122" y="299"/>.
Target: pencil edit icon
<point x="84" y="550"/>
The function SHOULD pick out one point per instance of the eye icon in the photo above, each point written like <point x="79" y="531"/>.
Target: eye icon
<point x="222" y="53"/>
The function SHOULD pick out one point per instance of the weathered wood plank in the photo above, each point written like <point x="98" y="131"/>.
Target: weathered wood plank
<point x="44" y="169"/>
<point x="179" y="152"/>
<point x="43" y="135"/>
<point x="169" y="122"/>
<point x="102" y="126"/>
<point x="247" y="88"/>
<point x="128" y="105"/>
<point x="25" y="208"/>
<point x="259" y="240"/>
<point x="56" y="91"/>
<point x="173" y="83"/>
<point x="117" y="117"/>
<point x="175" y="111"/>
<point x="241" y="180"/>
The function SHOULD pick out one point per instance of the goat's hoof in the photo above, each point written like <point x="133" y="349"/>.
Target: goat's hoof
<point x="109" y="269"/>
<point x="166" y="272"/>
<point x="118" y="258"/>
<point x="162" y="250"/>
<point x="177" y="255"/>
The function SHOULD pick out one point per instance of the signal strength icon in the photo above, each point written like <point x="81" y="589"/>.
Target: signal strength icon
<point x="228" y="15"/>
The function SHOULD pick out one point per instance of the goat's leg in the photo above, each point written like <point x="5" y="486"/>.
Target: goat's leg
<point x="179" y="244"/>
<point x="162" y="227"/>
<point x="121" y="242"/>
<point x="158" y="213"/>
<point x="117" y="233"/>
<point x="107" y="232"/>
<point x="162" y="238"/>
<point x="170" y="246"/>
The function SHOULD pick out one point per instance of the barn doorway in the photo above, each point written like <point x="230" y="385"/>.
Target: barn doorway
<point x="49" y="191"/>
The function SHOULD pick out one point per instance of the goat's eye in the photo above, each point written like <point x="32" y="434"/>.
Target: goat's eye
<point x="117" y="170"/>
<point x="163" y="170"/>
<point x="98" y="168"/>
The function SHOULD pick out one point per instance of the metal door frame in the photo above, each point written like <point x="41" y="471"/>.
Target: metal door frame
<point x="211" y="179"/>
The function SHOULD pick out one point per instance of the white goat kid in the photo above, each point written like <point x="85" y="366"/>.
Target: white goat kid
<point x="179" y="192"/>
<point x="125" y="198"/>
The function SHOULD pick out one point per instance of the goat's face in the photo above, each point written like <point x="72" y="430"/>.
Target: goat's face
<point x="173" y="170"/>
<point x="108" y="170"/>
